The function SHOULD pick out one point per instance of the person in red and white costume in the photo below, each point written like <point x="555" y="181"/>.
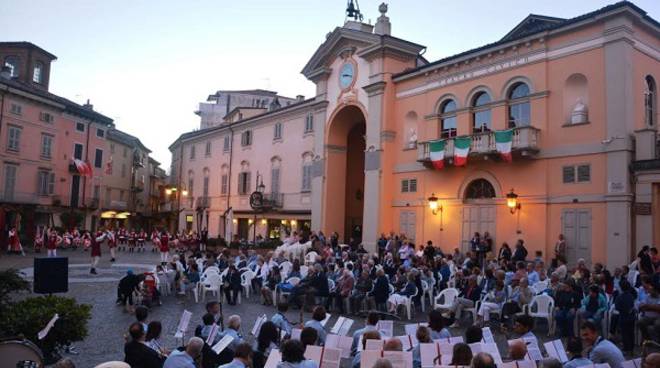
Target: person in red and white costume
<point x="14" y="242"/>
<point x="54" y="239"/>
<point x="164" y="246"/>
<point x="112" y="243"/>
<point x="97" y="241"/>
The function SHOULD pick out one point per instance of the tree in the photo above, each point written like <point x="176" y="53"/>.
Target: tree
<point x="10" y="283"/>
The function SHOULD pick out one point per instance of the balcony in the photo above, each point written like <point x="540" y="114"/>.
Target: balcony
<point x="203" y="202"/>
<point x="524" y="145"/>
<point x="274" y="200"/>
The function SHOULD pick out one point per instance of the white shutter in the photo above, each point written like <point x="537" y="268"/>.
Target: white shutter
<point x="275" y="181"/>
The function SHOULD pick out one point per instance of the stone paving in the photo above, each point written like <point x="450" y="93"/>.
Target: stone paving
<point x="109" y="322"/>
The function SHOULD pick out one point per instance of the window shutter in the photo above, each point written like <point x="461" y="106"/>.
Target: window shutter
<point x="404" y="186"/>
<point x="568" y="173"/>
<point x="51" y="183"/>
<point x="583" y="173"/>
<point x="412" y="185"/>
<point x="275" y="181"/>
<point x="223" y="184"/>
<point x="247" y="183"/>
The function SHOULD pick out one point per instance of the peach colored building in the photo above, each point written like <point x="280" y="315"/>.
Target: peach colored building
<point x="574" y="100"/>
<point x="40" y="136"/>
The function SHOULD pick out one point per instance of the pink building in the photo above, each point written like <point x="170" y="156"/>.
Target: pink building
<point x="550" y="130"/>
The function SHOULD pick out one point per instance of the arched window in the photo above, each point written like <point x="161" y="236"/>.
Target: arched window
<point x="481" y="112"/>
<point x="448" y="119"/>
<point x="224" y="179"/>
<point x="650" y="102"/>
<point x="480" y="189"/>
<point x="37" y="72"/>
<point x="12" y="63"/>
<point x="519" y="113"/>
<point x="244" y="179"/>
<point x="307" y="172"/>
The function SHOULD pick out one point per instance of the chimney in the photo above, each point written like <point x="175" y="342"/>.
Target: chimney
<point x="383" y="25"/>
<point x="300" y="98"/>
<point x="5" y="73"/>
<point x="88" y="106"/>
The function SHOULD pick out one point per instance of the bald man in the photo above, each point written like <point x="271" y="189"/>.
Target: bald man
<point x="393" y="344"/>
<point x="517" y="350"/>
<point x="652" y="360"/>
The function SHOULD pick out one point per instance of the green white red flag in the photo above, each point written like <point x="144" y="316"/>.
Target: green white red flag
<point x="437" y="153"/>
<point x="461" y="150"/>
<point x="503" y="141"/>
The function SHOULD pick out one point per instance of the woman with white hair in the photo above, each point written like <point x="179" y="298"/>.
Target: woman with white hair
<point x="233" y="328"/>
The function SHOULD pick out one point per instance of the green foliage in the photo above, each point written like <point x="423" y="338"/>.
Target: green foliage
<point x="10" y="282"/>
<point x="31" y="315"/>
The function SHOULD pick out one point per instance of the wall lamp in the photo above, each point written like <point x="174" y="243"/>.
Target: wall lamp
<point x="512" y="202"/>
<point x="435" y="207"/>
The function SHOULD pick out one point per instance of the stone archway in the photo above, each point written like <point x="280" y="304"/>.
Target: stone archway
<point x="343" y="190"/>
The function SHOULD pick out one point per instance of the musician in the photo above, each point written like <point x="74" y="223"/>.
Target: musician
<point x="267" y="340"/>
<point x="53" y="241"/>
<point x="461" y="355"/>
<point x="368" y="335"/>
<point x="141" y="237"/>
<point x="233" y="328"/>
<point x="152" y="338"/>
<point x="242" y="358"/>
<point x="437" y="325"/>
<point x="574" y="352"/>
<point x="213" y="308"/>
<point x="293" y="356"/>
<point x="209" y="321"/>
<point x="14" y="242"/>
<point x="372" y="321"/>
<point x="601" y="350"/>
<point x="317" y="316"/>
<point x="164" y="246"/>
<point x="280" y="320"/>
<point x="112" y="244"/>
<point x="423" y="336"/>
<point x="96" y="249"/>
<point x="309" y="336"/>
<point x="523" y="326"/>
<point x="137" y="353"/>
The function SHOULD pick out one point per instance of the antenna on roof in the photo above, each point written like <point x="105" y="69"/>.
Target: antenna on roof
<point x="353" y="10"/>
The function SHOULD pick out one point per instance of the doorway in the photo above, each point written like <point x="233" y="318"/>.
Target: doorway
<point x="479" y="213"/>
<point x="576" y="227"/>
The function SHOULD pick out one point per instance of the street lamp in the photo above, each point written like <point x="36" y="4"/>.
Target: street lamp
<point x="512" y="202"/>
<point x="433" y="204"/>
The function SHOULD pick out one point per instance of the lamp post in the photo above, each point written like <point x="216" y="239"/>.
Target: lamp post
<point x="514" y="206"/>
<point x="435" y="207"/>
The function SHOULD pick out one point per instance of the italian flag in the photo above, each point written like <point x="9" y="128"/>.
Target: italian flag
<point x="503" y="141"/>
<point x="84" y="168"/>
<point x="437" y="149"/>
<point x="461" y="150"/>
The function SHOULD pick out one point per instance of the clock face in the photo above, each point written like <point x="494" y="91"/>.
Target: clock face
<point x="346" y="75"/>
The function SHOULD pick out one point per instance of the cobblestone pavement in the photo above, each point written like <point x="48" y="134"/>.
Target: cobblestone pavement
<point x="109" y="322"/>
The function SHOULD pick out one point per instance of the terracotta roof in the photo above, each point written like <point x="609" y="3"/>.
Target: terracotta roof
<point x="70" y="106"/>
<point x="534" y="24"/>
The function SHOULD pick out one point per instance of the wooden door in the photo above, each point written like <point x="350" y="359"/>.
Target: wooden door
<point x="479" y="219"/>
<point x="576" y="227"/>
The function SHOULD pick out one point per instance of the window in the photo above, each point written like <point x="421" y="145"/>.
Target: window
<point x="10" y="182"/>
<point x="205" y="186"/>
<point x="519" y="112"/>
<point x="14" y="138"/>
<point x="277" y="133"/>
<point x="37" y="72"/>
<point x="481" y="113"/>
<point x="246" y="138"/>
<point x="77" y="151"/>
<point x="12" y="63"/>
<point x="408" y="185"/>
<point x="80" y="127"/>
<point x="46" y="145"/>
<point x="46" y="117"/>
<point x="275" y="180"/>
<point x="98" y="158"/>
<point x="480" y="189"/>
<point x="579" y="174"/>
<point x="448" y="119"/>
<point x="46" y="182"/>
<point x="226" y="144"/>
<point x="650" y="102"/>
<point x="244" y="183"/>
<point x="100" y="133"/>
<point x="123" y="170"/>
<point x="208" y="149"/>
<point x="309" y="123"/>
<point x="224" y="183"/>
<point x="192" y="152"/>
<point x="307" y="177"/>
<point x="16" y="109"/>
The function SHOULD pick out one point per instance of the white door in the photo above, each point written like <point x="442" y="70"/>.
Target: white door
<point x="407" y="223"/>
<point x="479" y="219"/>
<point x="576" y="227"/>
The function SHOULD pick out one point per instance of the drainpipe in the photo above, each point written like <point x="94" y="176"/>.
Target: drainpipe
<point x="231" y="155"/>
<point x="89" y="127"/>
<point x="178" y="196"/>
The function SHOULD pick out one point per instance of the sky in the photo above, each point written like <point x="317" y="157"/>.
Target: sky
<point x="148" y="64"/>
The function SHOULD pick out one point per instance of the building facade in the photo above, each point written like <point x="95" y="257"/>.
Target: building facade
<point x="42" y="136"/>
<point x="550" y="130"/>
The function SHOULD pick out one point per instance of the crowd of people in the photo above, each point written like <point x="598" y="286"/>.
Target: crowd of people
<point x="608" y="307"/>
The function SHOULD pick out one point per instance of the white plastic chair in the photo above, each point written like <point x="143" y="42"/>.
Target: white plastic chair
<point x="294" y="281"/>
<point x="542" y="306"/>
<point x="200" y="264"/>
<point x="285" y="268"/>
<point x="163" y="283"/>
<point x="246" y="282"/>
<point x="447" y="296"/>
<point x="409" y="303"/>
<point x="538" y="288"/>
<point x="195" y="291"/>
<point x="425" y="291"/>
<point x="310" y="258"/>
<point x="212" y="284"/>
<point x="212" y="269"/>
<point x="303" y="271"/>
<point x="632" y="277"/>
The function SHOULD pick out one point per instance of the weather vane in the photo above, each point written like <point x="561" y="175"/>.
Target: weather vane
<point x="353" y="10"/>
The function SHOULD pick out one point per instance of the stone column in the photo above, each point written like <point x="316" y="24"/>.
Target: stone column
<point x="372" y="166"/>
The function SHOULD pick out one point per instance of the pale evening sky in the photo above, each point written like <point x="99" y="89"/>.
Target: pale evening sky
<point x="147" y="64"/>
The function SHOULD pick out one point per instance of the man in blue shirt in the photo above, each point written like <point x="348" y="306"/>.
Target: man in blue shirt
<point x="372" y="321"/>
<point x="602" y="350"/>
<point x="242" y="357"/>
<point x="185" y="358"/>
<point x="280" y="320"/>
<point x="574" y="350"/>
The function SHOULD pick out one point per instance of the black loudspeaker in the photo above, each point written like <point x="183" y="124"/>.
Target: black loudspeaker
<point x="51" y="275"/>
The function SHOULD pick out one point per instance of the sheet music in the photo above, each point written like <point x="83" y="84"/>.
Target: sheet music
<point x="212" y="333"/>
<point x="331" y="358"/>
<point x="555" y="349"/>
<point x="295" y="333"/>
<point x="369" y="357"/>
<point x="274" y="358"/>
<point x="533" y="351"/>
<point x="428" y="353"/>
<point x="487" y="347"/>
<point x="386" y="328"/>
<point x="223" y="343"/>
<point x="342" y="326"/>
<point x="399" y="359"/>
<point x="257" y="324"/>
<point x="635" y="363"/>
<point x="183" y="324"/>
<point x="411" y="328"/>
<point x="327" y="318"/>
<point x="374" y="344"/>
<point x="452" y="340"/>
<point x="43" y="333"/>
<point x="487" y="335"/>
<point x="342" y="343"/>
<point x="407" y="342"/>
